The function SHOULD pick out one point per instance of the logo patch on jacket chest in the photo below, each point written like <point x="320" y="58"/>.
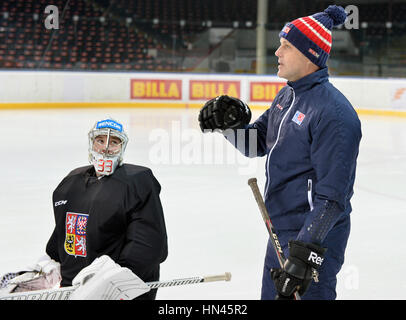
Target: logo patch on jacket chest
<point x="298" y="117"/>
<point x="75" y="231"/>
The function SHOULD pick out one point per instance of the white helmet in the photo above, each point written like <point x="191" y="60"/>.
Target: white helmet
<point x="106" y="159"/>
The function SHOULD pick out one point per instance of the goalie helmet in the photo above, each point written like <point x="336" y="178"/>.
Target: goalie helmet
<point x="105" y="150"/>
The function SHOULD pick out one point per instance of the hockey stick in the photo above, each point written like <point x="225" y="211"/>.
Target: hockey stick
<point x="65" y="292"/>
<point x="272" y="234"/>
<point x="178" y="282"/>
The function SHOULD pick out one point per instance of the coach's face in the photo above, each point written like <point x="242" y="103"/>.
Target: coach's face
<point x="293" y="65"/>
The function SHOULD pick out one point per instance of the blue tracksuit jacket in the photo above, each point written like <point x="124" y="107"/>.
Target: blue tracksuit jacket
<point x="310" y="136"/>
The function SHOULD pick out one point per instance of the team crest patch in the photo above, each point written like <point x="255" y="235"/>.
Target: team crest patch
<point x="298" y="117"/>
<point x="75" y="229"/>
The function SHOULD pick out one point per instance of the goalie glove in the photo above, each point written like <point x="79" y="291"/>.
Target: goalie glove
<point x="224" y="112"/>
<point x="43" y="274"/>
<point x="6" y="278"/>
<point x="297" y="273"/>
<point x="104" y="279"/>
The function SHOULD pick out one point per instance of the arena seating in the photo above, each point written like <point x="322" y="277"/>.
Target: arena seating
<point x="132" y="35"/>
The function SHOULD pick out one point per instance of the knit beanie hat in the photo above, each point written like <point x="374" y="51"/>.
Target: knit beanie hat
<point x="312" y="34"/>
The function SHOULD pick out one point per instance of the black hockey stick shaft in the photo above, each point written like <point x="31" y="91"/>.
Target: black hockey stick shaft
<point x="265" y="216"/>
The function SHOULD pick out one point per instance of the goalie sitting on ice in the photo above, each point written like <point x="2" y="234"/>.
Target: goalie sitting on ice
<point x="106" y="208"/>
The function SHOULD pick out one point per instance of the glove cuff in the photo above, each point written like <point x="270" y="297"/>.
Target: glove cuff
<point x="308" y="253"/>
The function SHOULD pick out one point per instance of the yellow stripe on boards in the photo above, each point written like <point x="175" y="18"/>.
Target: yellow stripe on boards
<point x="157" y="105"/>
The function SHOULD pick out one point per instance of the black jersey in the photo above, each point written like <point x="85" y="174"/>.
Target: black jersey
<point x="118" y="215"/>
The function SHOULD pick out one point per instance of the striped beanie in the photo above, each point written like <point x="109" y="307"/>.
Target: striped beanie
<point x="312" y="34"/>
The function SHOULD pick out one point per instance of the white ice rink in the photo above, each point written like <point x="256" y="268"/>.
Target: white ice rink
<point x="212" y="219"/>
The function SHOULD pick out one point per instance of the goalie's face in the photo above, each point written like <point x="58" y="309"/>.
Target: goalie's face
<point x="107" y="145"/>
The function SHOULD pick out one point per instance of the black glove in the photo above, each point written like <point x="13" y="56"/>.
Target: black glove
<point x="297" y="273"/>
<point x="224" y="112"/>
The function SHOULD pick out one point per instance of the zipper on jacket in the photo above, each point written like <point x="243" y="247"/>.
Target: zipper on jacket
<point x="276" y="142"/>
<point x="309" y="193"/>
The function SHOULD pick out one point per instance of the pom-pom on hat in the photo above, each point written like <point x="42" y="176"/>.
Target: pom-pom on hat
<point x="312" y="34"/>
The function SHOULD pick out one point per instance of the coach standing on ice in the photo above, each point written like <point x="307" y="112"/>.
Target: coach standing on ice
<point x="310" y="136"/>
<point x="109" y="208"/>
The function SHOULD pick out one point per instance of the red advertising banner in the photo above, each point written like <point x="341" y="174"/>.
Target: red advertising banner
<point x="265" y="91"/>
<point x="208" y="89"/>
<point x="156" y="89"/>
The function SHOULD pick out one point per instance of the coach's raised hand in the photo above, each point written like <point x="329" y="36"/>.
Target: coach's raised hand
<point x="224" y="112"/>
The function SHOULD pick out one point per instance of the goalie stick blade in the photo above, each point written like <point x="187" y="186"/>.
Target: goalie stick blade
<point x="47" y="294"/>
